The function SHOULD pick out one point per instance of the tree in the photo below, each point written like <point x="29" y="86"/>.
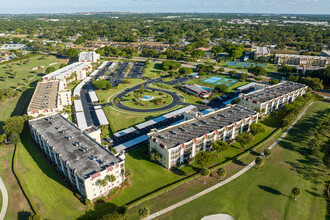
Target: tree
<point x="216" y="49"/>
<point x="34" y="216"/>
<point x="110" y="178"/>
<point x="203" y="158"/>
<point x="267" y="152"/>
<point x="144" y="213"/>
<point x="243" y="139"/>
<point x="185" y="71"/>
<point x="50" y="69"/>
<point x="296" y="192"/>
<point x="63" y="65"/>
<point x="72" y="52"/>
<point x="205" y="172"/>
<point x="259" y="162"/>
<point x="155" y="156"/>
<point x="116" y="100"/>
<point x="197" y="53"/>
<point x="222" y="173"/>
<point x="103" y="182"/>
<point x="14" y="124"/>
<point x="14" y="138"/>
<point x="256" y="128"/>
<point x="222" y="88"/>
<point x="128" y="173"/>
<point x="220" y="146"/>
<point x="273" y="81"/>
<point x="101" y="84"/>
<point x="257" y="70"/>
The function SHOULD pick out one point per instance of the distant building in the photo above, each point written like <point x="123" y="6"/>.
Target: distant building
<point x="273" y="97"/>
<point x="48" y="98"/>
<point x="261" y="51"/>
<point x="13" y="47"/>
<point x="89" y="56"/>
<point x="196" y="90"/>
<point x="301" y="60"/>
<point x="77" y="156"/>
<point x="74" y="71"/>
<point x="325" y="53"/>
<point x="180" y="143"/>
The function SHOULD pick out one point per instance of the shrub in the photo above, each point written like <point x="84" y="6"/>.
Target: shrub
<point x="205" y="172"/>
<point x="267" y="152"/>
<point x="88" y="202"/>
<point x="144" y="212"/>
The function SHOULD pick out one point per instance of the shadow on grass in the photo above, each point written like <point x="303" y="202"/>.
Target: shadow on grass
<point x="270" y="190"/>
<point x="23" y="215"/>
<point x="99" y="210"/>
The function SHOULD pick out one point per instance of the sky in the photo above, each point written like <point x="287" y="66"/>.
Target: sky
<point x="220" y="6"/>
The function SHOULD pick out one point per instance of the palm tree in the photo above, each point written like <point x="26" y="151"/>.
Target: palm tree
<point x="129" y="174"/>
<point x="110" y="178"/>
<point x="296" y="192"/>
<point x="222" y="173"/>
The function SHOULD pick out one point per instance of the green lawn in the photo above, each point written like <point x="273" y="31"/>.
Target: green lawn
<point x="129" y="100"/>
<point x="24" y="70"/>
<point x="152" y="70"/>
<point x="121" y="119"/>
<point x="103" y="95"/>
<point x="266" y="194"/>
<point x="47" y="189"/>
<point x="147" y="178"/>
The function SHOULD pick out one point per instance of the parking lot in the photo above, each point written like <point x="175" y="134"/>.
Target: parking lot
<point x="136" y="71"/>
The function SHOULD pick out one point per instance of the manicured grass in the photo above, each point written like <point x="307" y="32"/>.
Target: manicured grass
<point x="147" y="178"/>
<point x="266" y="194"/>
<point x="24" y="70"/>
<point x="48" y="190"/>
<point x="103" y="95"/>
<point x="129" y="100"/>
<point x="152" y="70"/>
<point x="121" y="119"/>
<point x="17" y="204"/>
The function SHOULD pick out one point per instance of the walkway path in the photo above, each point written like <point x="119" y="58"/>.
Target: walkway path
<point x="4" y="199"/>
<point x="210" y="189"/>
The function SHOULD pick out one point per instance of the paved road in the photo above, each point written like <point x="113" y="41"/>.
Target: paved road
<point x="216" y="186"/>
<point x="4" y="200"/>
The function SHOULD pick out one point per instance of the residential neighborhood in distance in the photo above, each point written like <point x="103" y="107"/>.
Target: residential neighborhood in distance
<point x="164" y="110"/>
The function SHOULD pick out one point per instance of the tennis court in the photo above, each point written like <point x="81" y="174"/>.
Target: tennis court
<point x="221" y="80"/>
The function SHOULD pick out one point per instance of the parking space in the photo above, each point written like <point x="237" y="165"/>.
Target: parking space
<point x="136" y="71"/>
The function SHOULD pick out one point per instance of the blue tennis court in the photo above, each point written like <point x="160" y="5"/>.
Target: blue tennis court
<point x="212" y="79"/>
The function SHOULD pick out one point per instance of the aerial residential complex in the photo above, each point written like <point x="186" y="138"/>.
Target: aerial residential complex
<point x="261" y="51"/>
<point x="82" y="160"/>
<point x="178" y="144"/>
<point x="49" y="97"/>
<point x="89" y="56"/>
<point x="74" y="71"/>
<point x="272" y="98"/>
<point x="299" y="60"/>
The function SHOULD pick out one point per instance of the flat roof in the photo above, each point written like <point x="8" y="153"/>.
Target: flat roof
<point x="76" y="91"/>
<point x="164" y="117"/>
<point x="263" y="50"/>
<point x="44" y="96"/>
<point x="101" y="117"/>
<point x="81" y="120"/>
<point x="186" y="131"/>
<point x="274" y="91"/>
<point x="81" y="151"/>
<point x="302" y="56"/>
<point x="131" y="143"/>
<point x="194" y="88"/>
<point x="124" y="132"/>
<point x="63" y="72"/>
<point x="78" y="106"/>
<point x="93" y="96"/>
<point x="247" y="86"/>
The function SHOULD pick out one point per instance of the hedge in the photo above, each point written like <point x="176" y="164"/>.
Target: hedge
<point x="22" y="185"/>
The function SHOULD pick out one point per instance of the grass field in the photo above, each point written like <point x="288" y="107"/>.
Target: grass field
<point x="129" y="100"/>
<point x="152" y="70"/>
<point x="103" y="95"/>
<point x="24" y="70"/>
<point x="48" y="190"/>
<point x="266" y="194"/>
<point x="121" y="119"/>
<point x="18" y="208"/>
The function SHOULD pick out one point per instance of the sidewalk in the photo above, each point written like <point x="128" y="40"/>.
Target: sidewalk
<point x="4" y="199"/>
<point x="216" y="186"/>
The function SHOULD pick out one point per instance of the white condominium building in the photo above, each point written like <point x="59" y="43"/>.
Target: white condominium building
<point x="89" y="56"/>
<point x="272" y="98"/>
<point x="300" y="60"/>
<point x="48" y="98"/>
<point x="179" y="143"/>
<point x="74" y="71"/>
<point x="79" y="158"/>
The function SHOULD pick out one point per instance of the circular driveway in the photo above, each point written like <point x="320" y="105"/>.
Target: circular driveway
<point x="176" y="100"/>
